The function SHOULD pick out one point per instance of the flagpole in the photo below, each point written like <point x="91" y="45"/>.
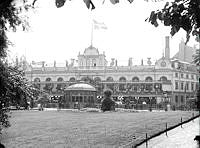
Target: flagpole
<point x="92" y="34"/>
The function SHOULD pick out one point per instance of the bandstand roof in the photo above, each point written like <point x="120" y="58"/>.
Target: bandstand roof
<point x="81" y="86"/>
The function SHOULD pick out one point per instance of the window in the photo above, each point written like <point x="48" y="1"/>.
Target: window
<point x="73" y="98"/>
<point x="182" y="99"/>
<point x="176" y="75"/>
<point x="163" y="78"/>
<point x="181" y="85"/>
<point x="148" y="79"/>
<point x="85" y="99"/>
<point x="176" y="99"/>
<point x="77" y="98"/>
<point x="192" y="86"/>
<point x="81" y="98"/>
<point x="176" y="85"/>
<point x="187" y="86"/>
<point x="192" y="76"/>
<point x="181" y="75"/>
<point x="187" y="76"/>
<point x="135" y="79"/>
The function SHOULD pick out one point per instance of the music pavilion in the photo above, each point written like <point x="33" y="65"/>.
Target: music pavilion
<point x="173" y="79"/>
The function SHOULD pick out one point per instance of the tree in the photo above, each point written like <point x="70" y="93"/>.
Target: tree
<point x="107" y="104"/>
<point x="12" y="81"/>
<point x="197" y="62"/>
<point x="178" y="14"/>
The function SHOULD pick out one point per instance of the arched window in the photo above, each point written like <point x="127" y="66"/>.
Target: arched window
<point x="148" y="79"/>
<point x="97" y="79"/>
<point x="135" y="79"/>
<point x="48" y="79"/>
<point x="72" y="79"/>
<point x="48" y="86"/>
<point x="60" y="86"/>
<point x="163" y="78"/>
<point x="60" y="79"/>
<point x="110" y="86"/>
<point x="122" y="86"/>
<point x="109" y="79"/>
<point x="37" y="80"/>
<point x="85" y="79"/>
<point x="122" y="79"/>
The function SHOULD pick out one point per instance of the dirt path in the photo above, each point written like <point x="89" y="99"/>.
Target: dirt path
<point x="178" y="137"/>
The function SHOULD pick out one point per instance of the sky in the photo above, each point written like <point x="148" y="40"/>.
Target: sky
<point x="61" y="33"/>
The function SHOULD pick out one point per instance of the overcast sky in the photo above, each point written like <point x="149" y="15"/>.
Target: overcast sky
<point x="61" y="33"/>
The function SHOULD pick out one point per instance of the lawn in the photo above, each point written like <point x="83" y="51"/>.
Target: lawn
<point x="85" y="129"/>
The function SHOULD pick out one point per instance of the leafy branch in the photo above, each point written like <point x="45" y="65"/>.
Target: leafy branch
<point x="183" y="14"/>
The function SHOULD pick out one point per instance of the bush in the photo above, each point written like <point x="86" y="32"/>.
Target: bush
<point x="107" y="104"/>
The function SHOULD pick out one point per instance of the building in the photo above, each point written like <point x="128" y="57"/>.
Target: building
<point x="169" y="79"/>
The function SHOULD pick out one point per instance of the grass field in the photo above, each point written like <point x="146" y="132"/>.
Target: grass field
<point x="85" y="129"/>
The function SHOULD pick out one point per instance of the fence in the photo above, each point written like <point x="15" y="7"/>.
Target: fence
<point x="167" y="128"/>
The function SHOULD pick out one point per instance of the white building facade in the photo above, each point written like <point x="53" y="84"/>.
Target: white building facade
<point x="171" y="79"/>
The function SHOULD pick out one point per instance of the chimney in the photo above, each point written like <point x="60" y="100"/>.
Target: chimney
<point x="167" y="49"/>
<point x="181" y="53"/>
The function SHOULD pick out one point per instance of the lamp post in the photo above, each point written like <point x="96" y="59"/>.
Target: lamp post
<point x="150" y="108"/>
<point x="137" y="98"/>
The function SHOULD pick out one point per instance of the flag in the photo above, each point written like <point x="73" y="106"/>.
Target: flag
<point x="99" y="25"/>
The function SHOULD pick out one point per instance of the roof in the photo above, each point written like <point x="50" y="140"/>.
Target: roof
<point x="185" y="53"/>
<point x="91" y="51"/>
<point x="81" y="86"/>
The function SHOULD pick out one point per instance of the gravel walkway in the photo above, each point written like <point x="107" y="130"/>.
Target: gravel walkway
<point x="178" y="137"/>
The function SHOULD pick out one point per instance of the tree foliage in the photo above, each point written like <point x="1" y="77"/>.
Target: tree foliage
<point x="183" y="14"/>
<point x="13" y="85"/>
<point x="14" y="89"/>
